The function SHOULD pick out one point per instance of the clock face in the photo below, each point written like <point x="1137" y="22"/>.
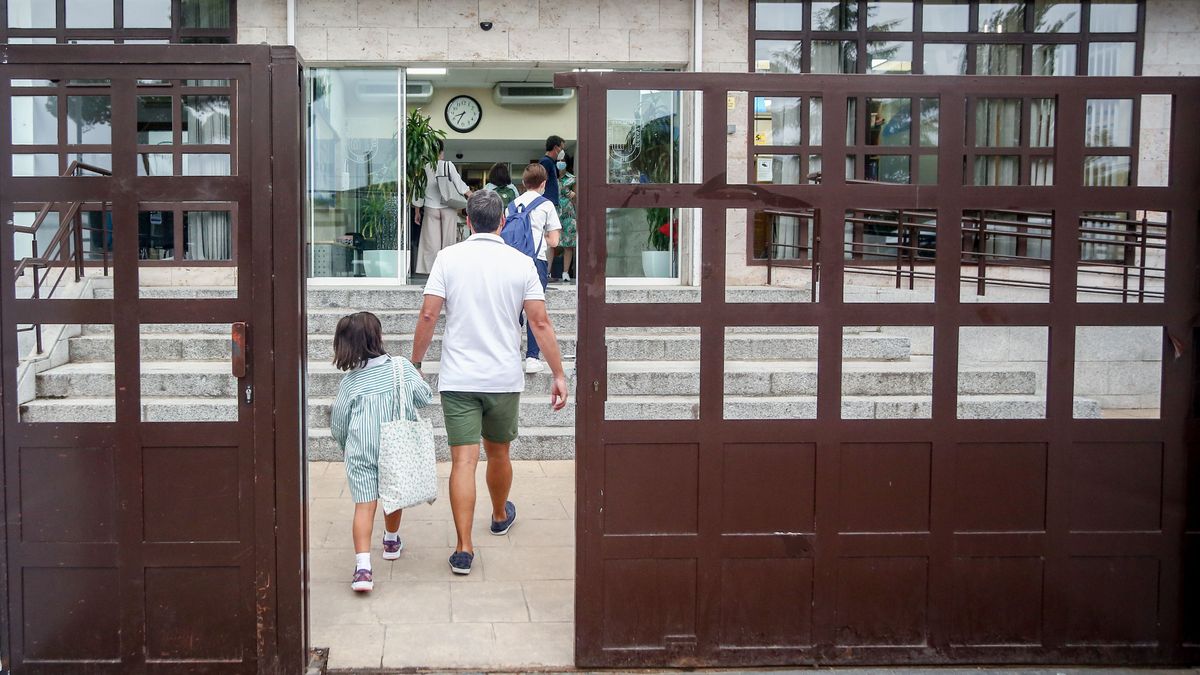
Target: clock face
<point x="463" y="113"/>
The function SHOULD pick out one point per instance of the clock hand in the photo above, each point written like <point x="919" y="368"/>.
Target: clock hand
<point x="460" y="115"/>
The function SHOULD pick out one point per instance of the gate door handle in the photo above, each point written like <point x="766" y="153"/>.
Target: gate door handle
<point x="240" y="347"/>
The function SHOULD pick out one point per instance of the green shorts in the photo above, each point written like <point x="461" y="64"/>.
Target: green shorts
<point x="470" y="416"/>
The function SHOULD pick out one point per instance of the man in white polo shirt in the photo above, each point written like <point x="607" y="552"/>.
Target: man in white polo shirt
<point x="484" y="284"/>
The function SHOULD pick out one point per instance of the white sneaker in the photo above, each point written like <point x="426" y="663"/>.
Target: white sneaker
<point x="533" y="365"/>
<point x="566" y="278"/>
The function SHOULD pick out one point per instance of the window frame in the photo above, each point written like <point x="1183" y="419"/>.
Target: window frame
<point x="119" y="34"/>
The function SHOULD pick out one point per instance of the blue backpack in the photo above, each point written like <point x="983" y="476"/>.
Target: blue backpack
<point x="518" y="229"/>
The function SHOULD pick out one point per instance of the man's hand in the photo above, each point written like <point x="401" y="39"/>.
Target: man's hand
<point x="558" y="393"/>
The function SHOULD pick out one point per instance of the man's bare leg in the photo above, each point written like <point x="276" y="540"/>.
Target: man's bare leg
<point x="464" y="459"/>
<point x="499" y="477"/>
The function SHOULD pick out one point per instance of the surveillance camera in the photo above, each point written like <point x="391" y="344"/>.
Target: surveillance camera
<point x="486" y="25"/>
<point x="458" y="156"/>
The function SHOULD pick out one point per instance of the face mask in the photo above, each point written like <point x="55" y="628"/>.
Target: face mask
<point x="561" y="166"/>
<point x="562" y="154"/>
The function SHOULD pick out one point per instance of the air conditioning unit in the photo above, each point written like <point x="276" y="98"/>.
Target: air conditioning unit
<point x="418" y="91"/>
<point x="373" y="90"/>
<point x="530" y="93"/>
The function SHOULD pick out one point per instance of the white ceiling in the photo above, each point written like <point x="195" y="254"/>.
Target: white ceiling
<point x="478" y="78"/>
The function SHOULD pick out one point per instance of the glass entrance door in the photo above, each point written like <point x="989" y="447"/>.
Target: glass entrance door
<point x="355" y="147"/>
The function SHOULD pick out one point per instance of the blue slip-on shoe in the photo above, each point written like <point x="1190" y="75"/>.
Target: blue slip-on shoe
<point x="460" y="562"/>
<point x="501" y="527"/>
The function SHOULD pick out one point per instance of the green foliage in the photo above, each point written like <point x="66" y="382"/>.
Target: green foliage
<point x="420" y="150"/>
<point x="659" y="152"/>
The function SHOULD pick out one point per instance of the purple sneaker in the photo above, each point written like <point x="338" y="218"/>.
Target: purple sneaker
<point x="391" y="549"/>
<point x="362" y="581"/>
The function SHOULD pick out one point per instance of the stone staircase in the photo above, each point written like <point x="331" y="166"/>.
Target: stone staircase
<point x="770" y="373"/>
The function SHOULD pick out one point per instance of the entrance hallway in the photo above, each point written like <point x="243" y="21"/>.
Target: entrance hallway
<point x="514" y="611"/>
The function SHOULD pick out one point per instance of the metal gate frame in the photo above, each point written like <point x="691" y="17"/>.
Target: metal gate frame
<point x="268" y="555"/>
<point x="649" y="598"/>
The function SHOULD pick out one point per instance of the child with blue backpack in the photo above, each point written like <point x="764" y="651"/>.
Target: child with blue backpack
<point x="531" y="226"/>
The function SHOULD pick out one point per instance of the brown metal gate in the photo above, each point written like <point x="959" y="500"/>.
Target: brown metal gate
<point x="158" y="546"/>
<point x="940" y="540"/>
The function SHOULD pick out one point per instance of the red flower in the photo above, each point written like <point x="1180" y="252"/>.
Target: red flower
<point x="670" y="230"/>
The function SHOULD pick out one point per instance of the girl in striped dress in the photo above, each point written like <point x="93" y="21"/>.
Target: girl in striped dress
<point x="366" y="399"/>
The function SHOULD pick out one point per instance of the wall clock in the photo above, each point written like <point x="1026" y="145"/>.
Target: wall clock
<point x="463" y="113"/>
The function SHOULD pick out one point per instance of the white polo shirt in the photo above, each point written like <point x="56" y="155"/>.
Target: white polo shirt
<point x="485" y="283"/>
<point x="543" y="219"/>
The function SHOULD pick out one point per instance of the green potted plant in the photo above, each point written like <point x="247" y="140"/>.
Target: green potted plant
<point x="420" y="150"/>
<point x="655" y="162"/>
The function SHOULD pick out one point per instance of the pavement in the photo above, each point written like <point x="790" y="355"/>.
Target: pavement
<point x="514" y="611"/>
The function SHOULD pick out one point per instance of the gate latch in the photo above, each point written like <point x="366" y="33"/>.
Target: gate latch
<point x="249" y="392"/>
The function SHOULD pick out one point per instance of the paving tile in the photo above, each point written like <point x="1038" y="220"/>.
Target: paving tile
<point x="423" y="534"/>
<point x="532" y="505"/>
<point x="334" y="604"/>
<point x="559" y="468"/>
<point x="568" y="504"/>
<point x="326" y="486"/>
<point x="557" y="486"/>
<point x="497" y="601"/>
<point x="431" y="564"/>
<point x="535" y="645"/>
<point x="523" y="564"/>
<point x="542" y="533"/>
<point x="481" y="536"/>
<point x="434" y="646"/>
<point x="359" y="647"/>
<point x="550" y="600"/>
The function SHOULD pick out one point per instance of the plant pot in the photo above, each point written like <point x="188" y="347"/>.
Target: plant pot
<point x="381" y="263"/>
<point x="656" y="263"/>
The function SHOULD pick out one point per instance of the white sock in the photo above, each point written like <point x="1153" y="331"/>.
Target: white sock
<point x="391" y="536"/>
<point x="362" y="561"/>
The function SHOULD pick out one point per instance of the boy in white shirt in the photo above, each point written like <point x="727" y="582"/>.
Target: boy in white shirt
<point x="546" y="231"/>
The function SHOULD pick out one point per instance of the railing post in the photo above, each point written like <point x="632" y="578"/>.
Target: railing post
<point x="77" y="255"/>
<point x="980" y="262"/>
<point x="1142" y="260"/>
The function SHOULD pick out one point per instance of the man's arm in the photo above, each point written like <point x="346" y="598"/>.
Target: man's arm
<point x="430" y="310"/>
<point x="543" y="330"/>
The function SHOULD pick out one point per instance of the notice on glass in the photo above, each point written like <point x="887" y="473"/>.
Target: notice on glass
<point x="762" y="166"/>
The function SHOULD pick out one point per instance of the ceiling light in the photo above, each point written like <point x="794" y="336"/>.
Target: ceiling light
<point x="426" y="71"/>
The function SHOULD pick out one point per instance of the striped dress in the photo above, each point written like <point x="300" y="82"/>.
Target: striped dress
<point x="365" y="400"/>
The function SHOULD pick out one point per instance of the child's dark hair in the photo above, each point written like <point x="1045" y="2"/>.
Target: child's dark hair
<point x="358" y="337"/>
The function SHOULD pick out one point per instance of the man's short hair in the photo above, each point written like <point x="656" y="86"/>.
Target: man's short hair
<point x="553" y="142"/>
<point x="534" y="176"/>
<point x="483" y="210"/>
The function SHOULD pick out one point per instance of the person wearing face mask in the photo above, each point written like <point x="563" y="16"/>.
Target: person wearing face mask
<point x="554" y="152"/>
<point x="566" y="215"/>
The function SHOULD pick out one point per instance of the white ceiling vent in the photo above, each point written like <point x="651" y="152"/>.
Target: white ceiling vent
<point x="531" y="93"/>
<point x="418" y="91"/>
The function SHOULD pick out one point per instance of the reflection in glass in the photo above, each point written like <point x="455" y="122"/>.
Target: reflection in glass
<point x="34" y="120"/>
<point x="814" y="120"/>
<point x="777" y="169"/>
<point x="890" y="15"/>
<point x="89" y="120"/>
<point x="1056" y="60"/>
<point x="927" y="170"/>
<point x="1106" y="171"/>
<point x="777" y="56"/>
<point x="888" y="168"/>
<point x="851" y="167"/>
<point x="1056" y="16"/>
<point x="851" y="120"/>
<point x="998" y="59"/>
<point x="998" y="123"/>
<point x="34" y="164"/>
<point x="204" y="14"/>
<point x="889" y="58"/>
<point x="154" y="164"/>
<point x="1041" y="171"/>
<point x="814" y="169"/>
<point x="206" y="120"/>
<point x="100" y="160"/>
<point x="208" y="235"/>
<point x="31" y="14"/>
<point x="1109" y="123"/>
<point x="889" y="121"/>
<point x="89" y="13"/>
<point x="840" y="15"/>
<point x="997" y="170"/>
<point x="835" y="57"/>
<point x="777" y="120"/>
<point x="1001" y="17"/>
<point x="1113" y="16"/>
<point x="1112" y="59"/>
<point x="930" y="122"/>
<point x="782" y="236"/>
<point x="941" y="59"/>
<point x="156" y="235"/>
<point x="1041" y="122"/>
<point x="643" y="136"/>
<point x="946" y="16"/>
<point x="147" y="13"/>
<point x="778" y="15"/>
<point x="642" y="242"/>
<point x="154" y="120"/>
<point x="206" y="164"/>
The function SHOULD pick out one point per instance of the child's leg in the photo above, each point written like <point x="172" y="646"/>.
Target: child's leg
<point x="391" y="521"/>
<point x="364" y="516"/>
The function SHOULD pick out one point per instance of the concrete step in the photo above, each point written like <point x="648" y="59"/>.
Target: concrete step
<point x="533" y="443"/>
<point x="995" y="406"/>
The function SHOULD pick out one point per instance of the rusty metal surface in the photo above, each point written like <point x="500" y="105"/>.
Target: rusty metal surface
<point x="942" y="540"/>
<point x="175" y="559"/>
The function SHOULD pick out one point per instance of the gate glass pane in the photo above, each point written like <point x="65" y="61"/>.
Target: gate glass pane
<point x="1118" y="371"/>
<point x="887" y="372"/>
<point x="645" y="129"/>
<point x="1002" y="372"/>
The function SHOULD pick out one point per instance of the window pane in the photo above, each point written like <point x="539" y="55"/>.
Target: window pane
<point x="154" y="120"/>
<point x="1109" y="123"/>
<point x="834" y="56"/>
<point x="206" y="120"/>
<point x="851" y="120"/>
<point x="815" y="116"/>
<point x="888" y="168"/>
<point x="1113" y="16"/>
<point x="1001" y="17"/>
<point x="156" y="235"/>
<point x="643" y="136"/>
<point x="839" y="15"/>
<point x="1058" y="60"/>
<point x="205" y="13"/>
<point x="894" y="58"/>
<point x="1041" y="171"/>
<point x="997" y="170"/>
<point x="1041" y="123"/>
<point x="30" y="14"/>
<point x="1056" y="16"/>
<point x="889" y="121"/>
<point x="930" y="122"/>
<point x="89" y="13"/>
<point x="927" y="166"/>
<point x="40" y="164"/>
<point x="777" y="56"/>
<point x="998" y="123"/>
<point x="207" y="235"/>
<point x="89" y="120"/>
<point x="946" y="16"/>
<point x="1106" y="171"/>
<point x="890" y="15"/>
<point x="945" y="59"/>
<point x="777" y="169"/>
<point x="147" y="13"/>
<point x="206" y="165"/>
<point x="34" y="120"/>
<point x="778" y="15"/>
<point x="154" y="164"/>
<point x="777" y="120"/>
<point x="1111" y="58"/>
<point x="100" y="160"/>
<point x="998" y="59"/>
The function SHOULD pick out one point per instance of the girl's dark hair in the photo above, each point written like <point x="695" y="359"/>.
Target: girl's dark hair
<point x="358" y="337"/>
<point x="498" y="175"/>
